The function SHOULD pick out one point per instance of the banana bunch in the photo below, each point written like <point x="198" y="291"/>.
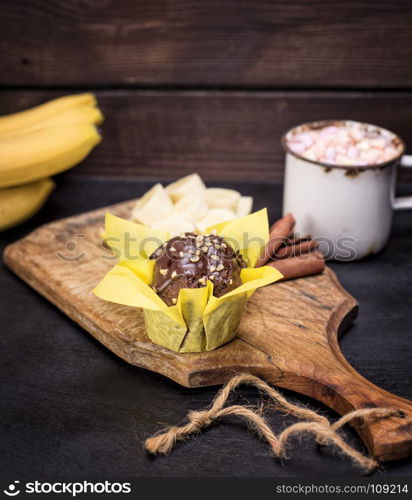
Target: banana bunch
<point x="38" y="143"/>
<point x="188" y="205"/>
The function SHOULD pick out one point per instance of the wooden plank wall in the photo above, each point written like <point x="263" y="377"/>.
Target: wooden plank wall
<point x="208" y="85"/>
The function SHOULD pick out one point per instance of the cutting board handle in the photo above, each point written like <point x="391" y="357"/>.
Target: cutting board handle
<point x="339" y="386"/>
<point x="346" y="390"/>
<point x="304" y="356"/>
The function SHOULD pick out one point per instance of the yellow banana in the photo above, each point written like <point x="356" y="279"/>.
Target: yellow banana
<point x="153" y="205"/>
<point x="191" y="184"/>
<point x="215" y="216"/>
<point x="222" y="198"/>
<point x="192" y="208"/>
<point x="76" y="114"/>
<point x="18" y="204"/>
<point x="29" y="117"/>
<point x="28" y="157"/>
<point x="174" y="226"/>
<point x="244" y="206"/>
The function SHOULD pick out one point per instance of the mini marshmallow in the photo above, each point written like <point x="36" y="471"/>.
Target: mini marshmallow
<point x="344" y="143"/>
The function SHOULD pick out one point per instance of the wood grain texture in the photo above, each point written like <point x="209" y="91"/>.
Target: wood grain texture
<point x="355" y="43"/>
<point x="222" y="135"/>
<point x="288" y="333"/>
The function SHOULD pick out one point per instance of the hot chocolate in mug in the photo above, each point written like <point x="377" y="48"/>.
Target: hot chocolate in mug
<point x="347" y="207"/>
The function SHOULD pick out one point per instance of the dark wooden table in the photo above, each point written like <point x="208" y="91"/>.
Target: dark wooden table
<point x="69" y="407"/>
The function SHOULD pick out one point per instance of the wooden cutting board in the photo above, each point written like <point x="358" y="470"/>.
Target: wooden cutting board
<point x="288" y="334"/>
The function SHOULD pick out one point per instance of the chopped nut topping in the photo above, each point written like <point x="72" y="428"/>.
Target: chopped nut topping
<point x="191" y="251"/>
<point x="174" y="274"/>
<point x="172" y="249"/>
<point x="214" y="257"/>
<point x="174" y="300"/>
<point x="202" y="280"/>
<point x="223" y="245"/>
<point x="163" y="271"/>
<point x="194" y="259"/>
<point x="230" y="281"/>
<point x="212" y="269"/>
<point x="204" y="249"/>
<point x="181" y="254"/>
<point x="208" y="243"/>
<point x="217" y="246"/>
<point x="211" y="277"/>
<point x="220" y="267"/>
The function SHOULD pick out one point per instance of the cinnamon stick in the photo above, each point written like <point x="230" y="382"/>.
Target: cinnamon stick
<point x="293" y="249"/>
<point x="299" y="239"/>
<point x="278" y="233"/>
<point x="300" y="265"/>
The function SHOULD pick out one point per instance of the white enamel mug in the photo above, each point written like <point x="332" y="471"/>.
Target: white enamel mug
<point x="348" y="209"/>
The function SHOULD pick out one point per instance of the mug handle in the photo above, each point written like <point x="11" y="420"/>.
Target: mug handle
<point x="404" y="202"/>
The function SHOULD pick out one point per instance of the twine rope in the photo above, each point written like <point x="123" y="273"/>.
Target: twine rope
<point x="317" y="425"/>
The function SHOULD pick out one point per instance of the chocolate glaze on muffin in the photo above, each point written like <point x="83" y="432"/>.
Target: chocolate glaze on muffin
<point x="189" y="260"/>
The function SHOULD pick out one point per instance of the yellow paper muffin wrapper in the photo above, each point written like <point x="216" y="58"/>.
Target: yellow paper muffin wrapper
<point x="199" y="321"/>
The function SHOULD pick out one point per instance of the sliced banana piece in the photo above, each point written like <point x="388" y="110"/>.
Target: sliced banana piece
<point x="222" y="198"/>
<point x="153" y="206"/>
<point x="244" y="206"/>
<point x="191" y="208"/>
<point x="215" y="216"/>
<point x="191" y="184"/>
<point x="174" y="225"/>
